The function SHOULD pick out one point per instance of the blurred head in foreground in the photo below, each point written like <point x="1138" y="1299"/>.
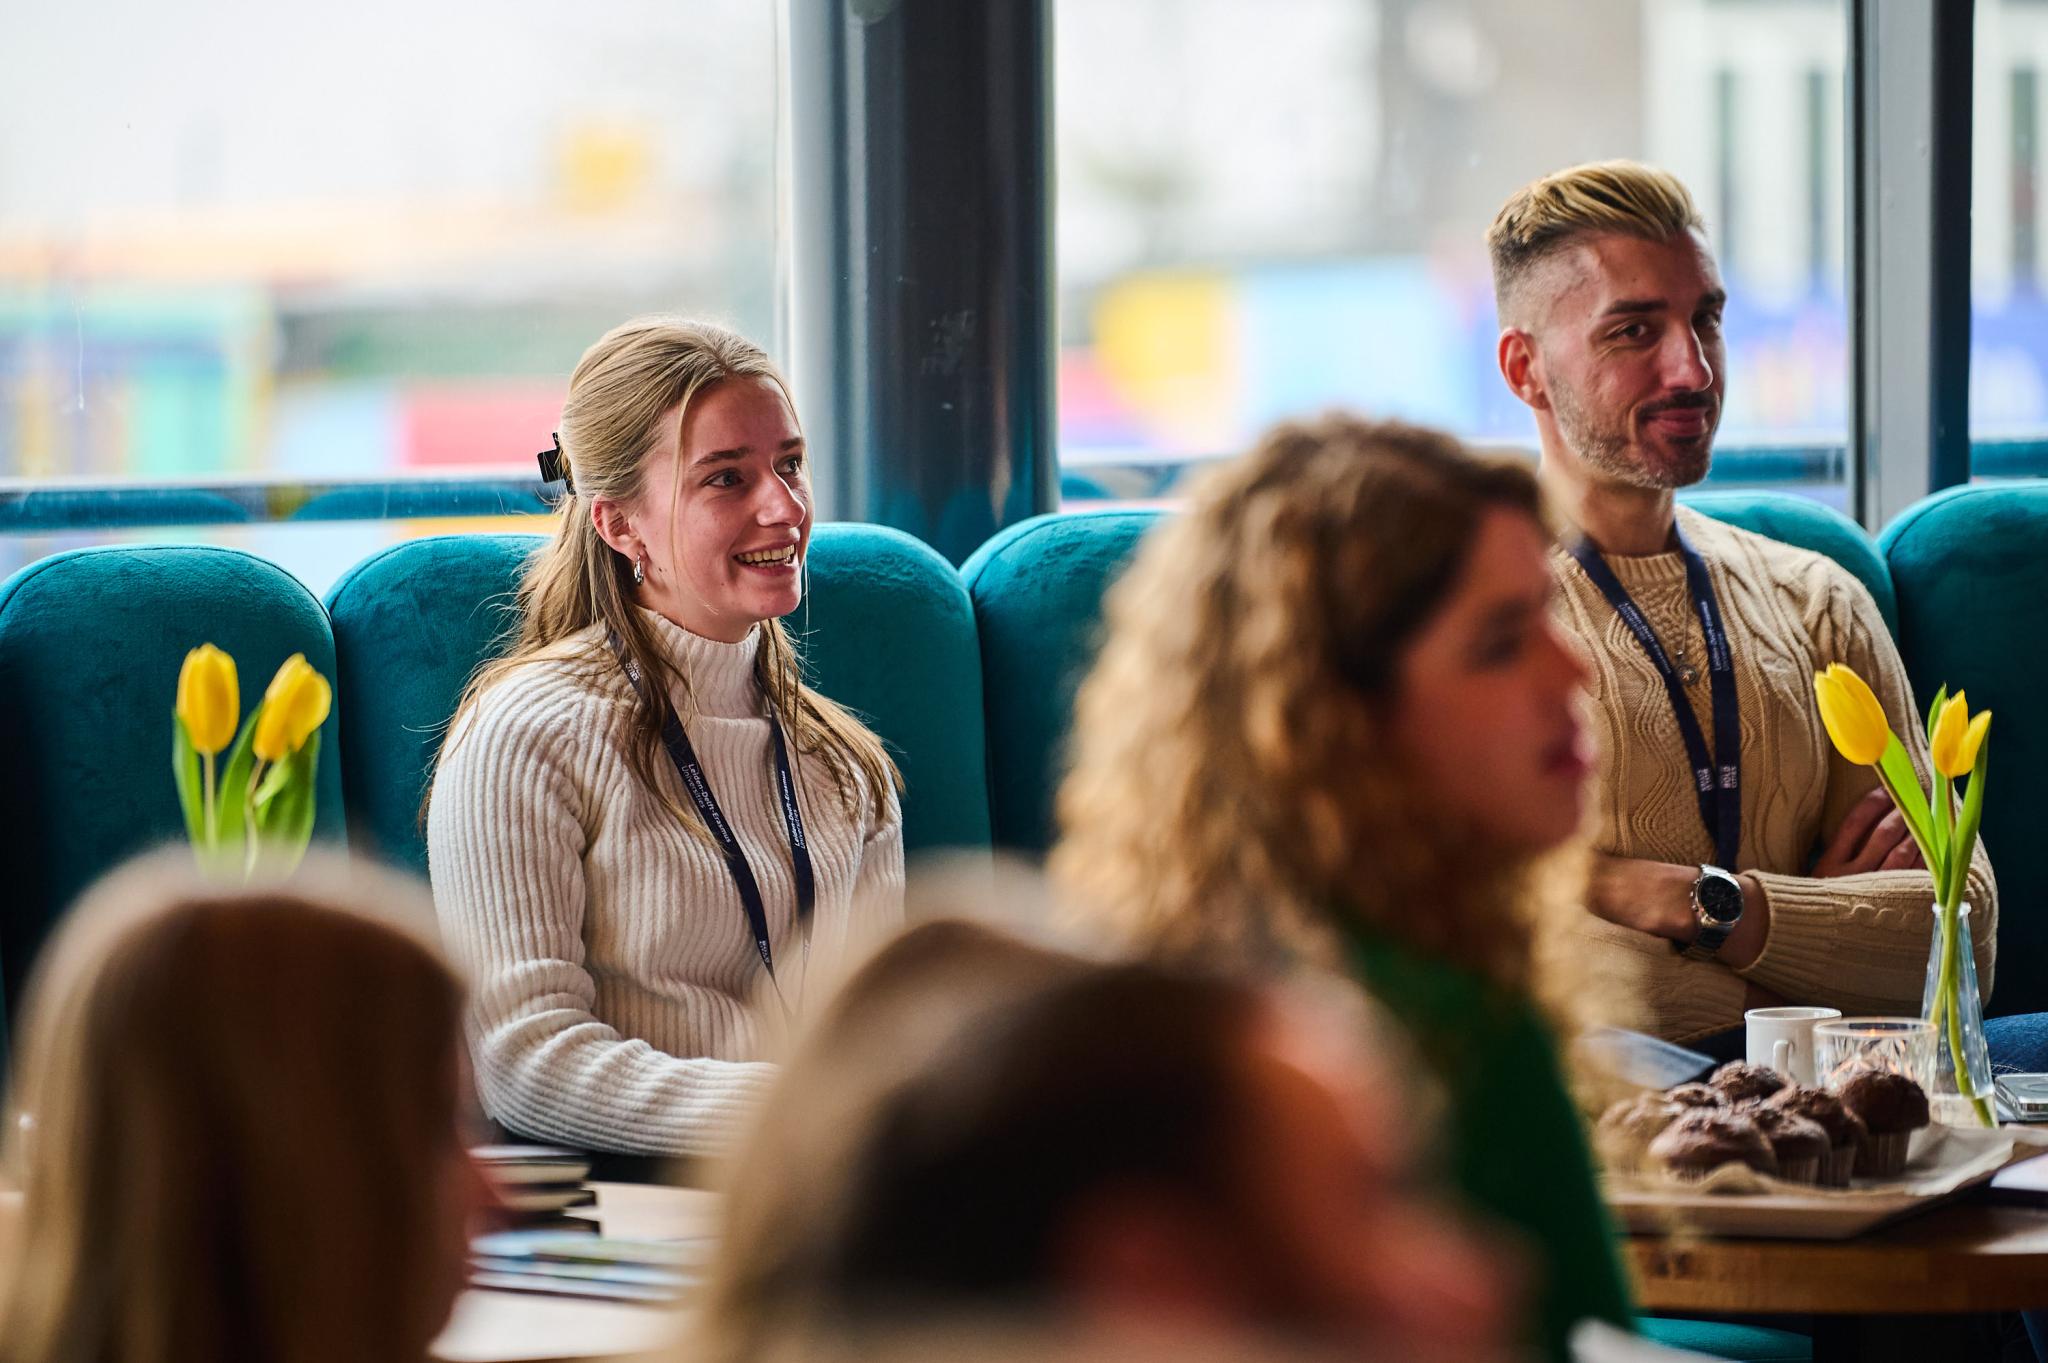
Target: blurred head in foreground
<point x="236" y="1125"/>
<point x="1126" y="1152"/>
<point x="1333" y="686"/>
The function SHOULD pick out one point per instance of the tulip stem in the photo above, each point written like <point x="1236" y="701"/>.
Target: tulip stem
<point x="249" y="818"/>
<point x="1948" y="1013"/>
<point x="212" y="816"/>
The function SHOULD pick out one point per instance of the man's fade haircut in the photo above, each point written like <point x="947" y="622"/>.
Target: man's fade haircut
<point x="1545" y="216"/>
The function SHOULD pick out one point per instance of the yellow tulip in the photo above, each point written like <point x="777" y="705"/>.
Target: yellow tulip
<point x="1854" y="719"/>
<point x="209" y="699"/>
<point x="1950" y="724"/>
<point x="295" y="705"/>
<point x="1957" y="736"/>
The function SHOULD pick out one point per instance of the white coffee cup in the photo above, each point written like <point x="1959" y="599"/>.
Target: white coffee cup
<point x="1783" y="1038"/>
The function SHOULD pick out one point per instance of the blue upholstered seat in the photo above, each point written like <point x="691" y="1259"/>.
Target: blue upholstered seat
<point x="1038" y="588"/>
<point x="91" y="642"/>
<point x="1971" y="569"/>
<point x="1808" y="524"/>
<point x="886" y="629"/>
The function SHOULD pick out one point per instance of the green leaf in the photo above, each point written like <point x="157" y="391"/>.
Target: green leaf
<point x="1934" y="710"/>
<point x="285" y="807"/>
<point x="1966" y="827"/>
<point x="191" y="796"/>
<point x="234" y="794"/>
<point x="1902" y="783"/>
<point x="1944" y="808"/>
<point x="273" y="781"/>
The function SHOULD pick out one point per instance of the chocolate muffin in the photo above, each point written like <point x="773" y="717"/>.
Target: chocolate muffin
<point x="1845" y="1130"/>
<point x="1741" y="1082"/>
<point x="1893" y="1107"/>
<point x="1799" y="1143"/>
<point x="1705" y="1139"/>
<point x="1696" y="1095"/>
<point x="1626" y="1129"/>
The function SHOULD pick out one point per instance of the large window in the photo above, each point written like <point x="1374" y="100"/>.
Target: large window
<point x="247" y="245"/>
<point x="1269" y="209"/>
<point x="2009" y="241"/>
<point x="246" y="240"/>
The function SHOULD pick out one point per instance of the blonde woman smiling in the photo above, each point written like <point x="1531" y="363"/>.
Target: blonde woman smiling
<point x="644" y="826"/>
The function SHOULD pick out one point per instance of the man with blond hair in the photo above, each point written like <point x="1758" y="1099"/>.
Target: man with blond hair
<point x="1740" y="860"/>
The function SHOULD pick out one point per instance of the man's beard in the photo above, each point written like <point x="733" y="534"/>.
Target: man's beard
<point x="1608" y="450"/>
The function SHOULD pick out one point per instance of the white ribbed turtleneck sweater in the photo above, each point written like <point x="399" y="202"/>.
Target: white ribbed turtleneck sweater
<point x="618" y="1000"/>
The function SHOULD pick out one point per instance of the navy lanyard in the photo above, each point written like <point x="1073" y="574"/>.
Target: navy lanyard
<point x="692" y="773"/>
<point x="1717" y="777"/>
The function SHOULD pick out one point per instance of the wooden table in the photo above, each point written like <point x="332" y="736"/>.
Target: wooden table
<point x="521" y="1327"/>
<point x="1967" y="1256"/>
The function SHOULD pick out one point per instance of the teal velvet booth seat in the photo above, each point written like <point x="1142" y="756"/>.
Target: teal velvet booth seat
<point x="1038" y="589"/>
<point x="1809" y="525"/>
<point x="91" y="642"/>
<point x="1971" y="569"/>
<point x="885" y="629"/>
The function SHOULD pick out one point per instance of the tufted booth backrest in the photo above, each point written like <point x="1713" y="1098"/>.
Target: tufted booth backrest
<point x="412" y="623"/>
<point x="1971" y="569"/>
<point x="1038" y="588"/>
<point x="91" y="642"/>
<point x="969" y="677"/>
<point x="1808" y="524"/>
<point x="886" y="630"/>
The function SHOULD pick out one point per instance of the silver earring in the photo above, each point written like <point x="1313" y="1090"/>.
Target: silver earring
<point x="639" y="572"/>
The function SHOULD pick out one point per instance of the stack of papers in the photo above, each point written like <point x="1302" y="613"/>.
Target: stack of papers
<point x="655" y="1271"/>
<point x="535" y="1179"/>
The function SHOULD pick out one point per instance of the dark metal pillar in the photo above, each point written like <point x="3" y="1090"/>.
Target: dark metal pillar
<point x="921" y="234"/>
<point x="1909" y="249"/>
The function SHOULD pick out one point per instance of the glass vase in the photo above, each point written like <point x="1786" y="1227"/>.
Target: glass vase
<point x="1961" y="1093"/>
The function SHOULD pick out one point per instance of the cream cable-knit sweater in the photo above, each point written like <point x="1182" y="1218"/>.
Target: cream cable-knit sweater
<point x="618" y="1001"/>
<point x="1857" y="943"/>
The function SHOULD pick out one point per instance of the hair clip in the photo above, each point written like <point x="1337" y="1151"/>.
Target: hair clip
<point x="553" y="467"/>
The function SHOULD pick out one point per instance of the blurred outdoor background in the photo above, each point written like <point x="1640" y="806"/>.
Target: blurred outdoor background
<point x="256" y="242"/>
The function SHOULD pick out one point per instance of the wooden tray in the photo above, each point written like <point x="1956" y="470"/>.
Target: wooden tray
<point x="1735" y="1202"/>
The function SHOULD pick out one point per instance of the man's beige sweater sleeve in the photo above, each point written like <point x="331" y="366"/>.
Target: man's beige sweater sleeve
<point x="1859" y="943"/>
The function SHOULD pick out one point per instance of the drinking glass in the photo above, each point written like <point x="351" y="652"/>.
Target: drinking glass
<point x="1901" y="1045"/>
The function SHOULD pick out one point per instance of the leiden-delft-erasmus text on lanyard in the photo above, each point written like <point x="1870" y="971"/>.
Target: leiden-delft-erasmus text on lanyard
<point x="692" y="773"/>
<point x="1717" y="776"/>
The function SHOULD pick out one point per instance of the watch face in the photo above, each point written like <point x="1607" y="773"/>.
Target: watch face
<point x="1720" y="898"/>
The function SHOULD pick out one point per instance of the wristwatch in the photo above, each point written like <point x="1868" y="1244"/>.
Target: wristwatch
<point x="1717" y="907"/>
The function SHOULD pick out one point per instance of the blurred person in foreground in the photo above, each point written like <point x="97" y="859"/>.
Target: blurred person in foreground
<point x="988" y="1141"/>
<point x="236" y="1125"/>
<point x="1789" y="878"/>
<point x="1334" y="720"/>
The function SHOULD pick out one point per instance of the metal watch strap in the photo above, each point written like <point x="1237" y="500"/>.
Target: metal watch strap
<point x="1707" y="946"/>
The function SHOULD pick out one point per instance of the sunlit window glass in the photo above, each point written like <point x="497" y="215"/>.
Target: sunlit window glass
<point x="251" y="241"/>
<point x="2009" y="194"/>
<point x="1269" y="209"/>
